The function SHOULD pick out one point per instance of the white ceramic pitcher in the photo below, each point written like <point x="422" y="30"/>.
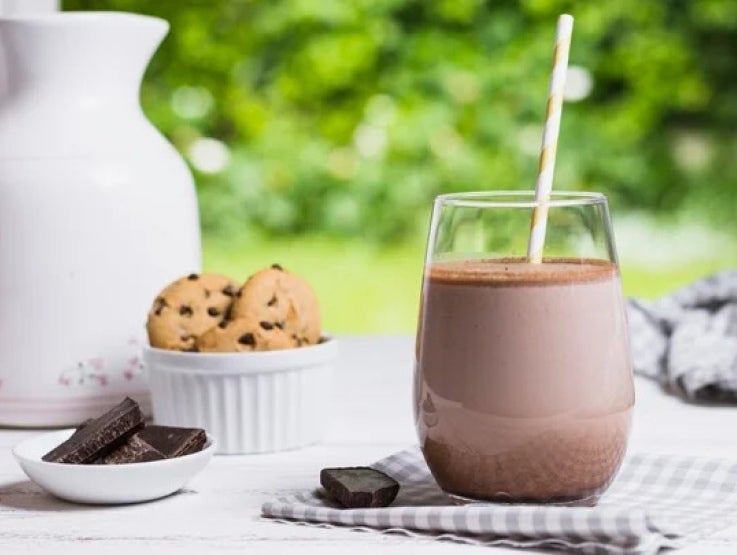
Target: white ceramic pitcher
<point x="97" y="213"/>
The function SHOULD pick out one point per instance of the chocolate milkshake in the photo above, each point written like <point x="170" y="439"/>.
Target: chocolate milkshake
<point x="523" y="381"/>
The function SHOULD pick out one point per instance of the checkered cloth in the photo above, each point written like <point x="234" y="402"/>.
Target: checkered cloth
<point x="687" y="341"/>
<point x="656" y="502"/>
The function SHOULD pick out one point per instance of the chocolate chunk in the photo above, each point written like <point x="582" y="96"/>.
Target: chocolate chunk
<point x="212" y="311"/>
<point x="359" y="487"/>
<point x="247" y="339"/>
<point x="272" y="301"/>
<point x="193" y="277"/>
<point x="173" y="442"/>
<point x="266" y="325"/>
<point x="135" y="450"/>
<point x="277" y="267"/>
<point x="99" y="437"/>
<point x="185" y="310"/>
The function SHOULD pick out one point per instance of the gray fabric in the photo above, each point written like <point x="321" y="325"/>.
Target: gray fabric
<point x="656" y="502"/>
<point x="688" y="340"/>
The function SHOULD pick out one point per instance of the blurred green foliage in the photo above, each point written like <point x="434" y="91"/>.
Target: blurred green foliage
<point x="346" y="117"/>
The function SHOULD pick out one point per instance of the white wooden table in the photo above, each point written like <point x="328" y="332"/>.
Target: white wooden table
<point x="219" y="511"/>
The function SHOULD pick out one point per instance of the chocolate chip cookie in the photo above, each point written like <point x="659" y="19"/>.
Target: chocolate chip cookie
<point x="283" y="299"/>
<point x="244" y="334"/>
<point x="187" y="308"/>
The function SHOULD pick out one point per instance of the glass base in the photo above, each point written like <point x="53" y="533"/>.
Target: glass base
<point x="503" y="499"/>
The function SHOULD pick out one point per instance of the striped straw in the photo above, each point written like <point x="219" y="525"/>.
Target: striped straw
<point x="546" y="167"/>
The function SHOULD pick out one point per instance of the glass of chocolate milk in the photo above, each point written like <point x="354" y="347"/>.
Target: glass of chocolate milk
<point x="523" y="378"/>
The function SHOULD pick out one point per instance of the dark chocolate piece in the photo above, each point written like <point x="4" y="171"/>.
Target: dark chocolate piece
<point x="83" y="425"/>
<point x="99" y="437"/>
<point x="135" y="450"/>
<point x="173" y="442"/>
<point x="359" y="487"/>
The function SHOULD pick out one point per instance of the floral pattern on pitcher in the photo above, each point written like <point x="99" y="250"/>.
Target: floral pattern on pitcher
<point x="96" y="370"/>
<point x="85" y="372"/>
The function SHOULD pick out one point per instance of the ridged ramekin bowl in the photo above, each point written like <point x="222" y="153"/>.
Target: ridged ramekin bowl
<point x="255" y="402"/>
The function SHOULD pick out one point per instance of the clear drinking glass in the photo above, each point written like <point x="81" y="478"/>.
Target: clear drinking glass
<point x="523" y="377"/>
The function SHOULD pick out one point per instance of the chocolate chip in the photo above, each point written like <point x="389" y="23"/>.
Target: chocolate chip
<point x="247" y="339"/>
<point x="272" y="301"/>
<point x="190" y="339"/>
<point x="238" y="294"/>
<point x="224" y="324"/>
<point x="279" y="325"/>
<point x="212" y="311"/>
<point x="207" y="293"/>
<point x="161" y="304"/>
<point x="228" y="291"/>
<point x="277" y="267"/>
<point x="266" y="325"/>
<point x="185" y="310"/>
<point x="193" y="277"/>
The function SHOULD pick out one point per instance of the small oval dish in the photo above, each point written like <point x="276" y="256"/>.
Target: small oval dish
<point x="253" y="402"/>
<point x="107" y="484"/>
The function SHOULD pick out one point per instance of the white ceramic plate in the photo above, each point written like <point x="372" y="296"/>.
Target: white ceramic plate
<point x="107" y="484"/>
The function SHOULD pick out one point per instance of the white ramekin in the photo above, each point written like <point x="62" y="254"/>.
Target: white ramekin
<point x="250" y="402"/>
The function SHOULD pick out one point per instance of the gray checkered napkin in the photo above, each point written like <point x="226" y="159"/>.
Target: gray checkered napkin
<point x="656" y="502"/>
<point x="687" y="340"/>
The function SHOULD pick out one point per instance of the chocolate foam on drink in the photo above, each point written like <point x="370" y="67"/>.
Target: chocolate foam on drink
<point x="517" y="271"/>
<point x="523" y="387"/>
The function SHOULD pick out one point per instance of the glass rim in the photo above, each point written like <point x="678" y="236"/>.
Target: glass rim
<point x="519" y="199"/>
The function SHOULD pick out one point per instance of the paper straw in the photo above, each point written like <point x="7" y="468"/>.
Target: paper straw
<point x="546" y="166"/>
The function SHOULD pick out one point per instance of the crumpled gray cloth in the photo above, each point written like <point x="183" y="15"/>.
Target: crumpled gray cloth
<point x="687" y="340"/>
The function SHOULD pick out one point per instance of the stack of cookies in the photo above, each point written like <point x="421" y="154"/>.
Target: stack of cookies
<point x="274" y="309"/>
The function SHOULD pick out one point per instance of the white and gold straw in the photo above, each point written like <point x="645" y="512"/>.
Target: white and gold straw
<point x="546" y="167"/>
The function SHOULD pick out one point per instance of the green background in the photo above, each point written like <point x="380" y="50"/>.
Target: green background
<point x="319" y="131"/>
